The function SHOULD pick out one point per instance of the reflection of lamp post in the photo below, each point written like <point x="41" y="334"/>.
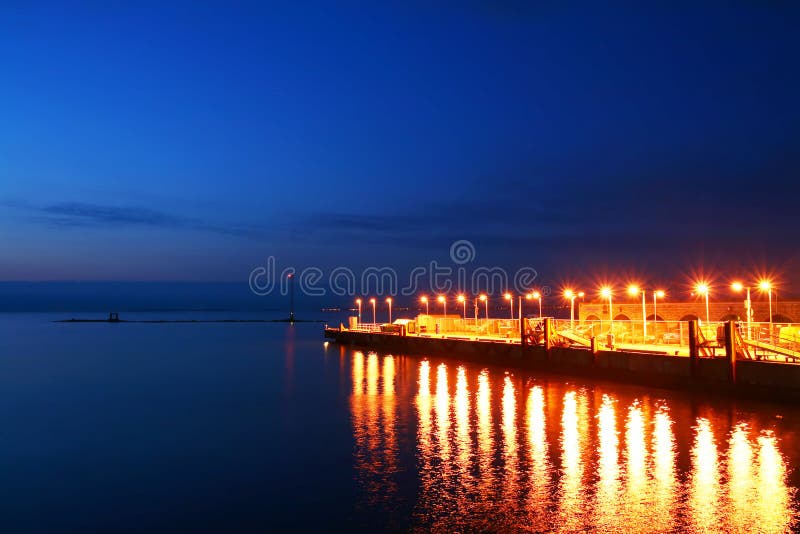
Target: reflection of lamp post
<point x="374" y="318"/>
<point x="634" y="291"/>
<point x="389" y="302"/>
<point x="443" y="302"/>
<point x="463" y="301"/>
<point x="606" y="293"/>
<point x="358" y="302"/>
<point x="748" y="309"/>
<point x="765" y="285"/>
<point x="485" y="300"/>
<point x="424" y="300"/>
<point x="703" y="289"/>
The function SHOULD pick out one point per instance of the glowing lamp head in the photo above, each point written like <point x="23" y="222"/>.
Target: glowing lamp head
<point x="358" y="301"/>
<point x="536" y="295"/>
<point x="389" y="300"/>
<point x="605" y="292"/>
<point x="440" y="298"/>
<point x="482" y="298"/>
<point x="568" y="293"/>
<point x="423" y="299"/>
<point x="529" y="296"/>
<point x="660" y="294"/>
<point x="764" y="285"/>
<point x="507" y="296"/>
<point x="701" y="288"/>
<point x="460" y="298"/>
<point x="633" y="290"/>
<point x="581" y="294"/>
<point x="737" y="286"/>
<point x="372" y="301"/>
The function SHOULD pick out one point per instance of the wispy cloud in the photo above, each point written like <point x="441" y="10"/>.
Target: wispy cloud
<point x="84" y="214"/>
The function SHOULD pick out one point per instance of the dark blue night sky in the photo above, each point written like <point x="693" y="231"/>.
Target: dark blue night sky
<point x="188" y="141"/>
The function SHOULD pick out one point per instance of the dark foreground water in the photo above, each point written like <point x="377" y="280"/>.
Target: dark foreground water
<point x="262" y="427"/>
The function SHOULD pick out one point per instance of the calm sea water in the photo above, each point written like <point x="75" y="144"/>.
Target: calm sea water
<point x="242" y="426"/>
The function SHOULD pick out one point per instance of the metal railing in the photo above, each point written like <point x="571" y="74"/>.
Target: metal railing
<point x="366" y="327"/>
<point x="657" y="333"/>
<point x="777" y="341"/>
<point x="772" y="340"/>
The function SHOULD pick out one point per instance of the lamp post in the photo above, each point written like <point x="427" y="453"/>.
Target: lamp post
<point x="634" y="291"/>
<point x="606" y="293"/>
<point x="703" y="289"/>
<point x="374" y="316"/>
<point x="657" y="294"/>
<point x="358" y="302"/>
<point x="389" y="302"/>
<point x="570" y="295"/>
<point x="538" y="296"/>
<point x="291" y="297"/>
<point x="748" y="307"/>
<point x="476" y="311"/>
<point x="485" y="300"/>
<point x="510" y="300"/>
<point x="463" y="301"/>
<point x="443" y="302"/>
<point x="766" y="285"/>
<point x="424" y="300"/>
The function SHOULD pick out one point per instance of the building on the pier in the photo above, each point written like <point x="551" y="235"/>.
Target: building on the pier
<point x="787" y="311"/>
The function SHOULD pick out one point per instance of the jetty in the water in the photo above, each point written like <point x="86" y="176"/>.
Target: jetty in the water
<point x="760" y="359"/>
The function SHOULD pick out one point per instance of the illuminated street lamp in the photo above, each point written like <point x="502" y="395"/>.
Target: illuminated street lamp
<point x="606" y="293"/>
<point x="374" y="317"/>
<point x="358" y="302"/>
<point x="389" y="302"/>
<point x="748" y="305"/>
<point x="424" y="300"/>
<point x="703" y="289"/>
<point x="485" y="300"/>
<point x="443" y="302"/>
<point x="657" y="294"/>
<point x="510" y="300"/>
<point x="538" y="296"/>
<point x="463" y="301"/>
<point x="571" y="296"/>
<point x="766" y="285"/>
<point x="633" y="290"/>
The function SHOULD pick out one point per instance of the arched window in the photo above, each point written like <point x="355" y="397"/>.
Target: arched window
<point x="592" y="317"/>
<point x="780" y="318"/>
<point x="689" y="317"/>
<point x="622" y="317"/>
<point x="656" y="318"/>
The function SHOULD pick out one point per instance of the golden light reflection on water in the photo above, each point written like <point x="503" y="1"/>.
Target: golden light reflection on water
<point x="607" y="492"/>
<point x="704" y="482"/>
<point x="663" y="471"/>
<point x="637" y="495"/>
<point x="552" y="457"/>
<point x="774" y="504"/>
<point x="571" y="490"/>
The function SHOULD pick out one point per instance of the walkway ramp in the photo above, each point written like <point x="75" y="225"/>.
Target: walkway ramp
<point x="575" y="338"/>
<point x="783" y="351"/>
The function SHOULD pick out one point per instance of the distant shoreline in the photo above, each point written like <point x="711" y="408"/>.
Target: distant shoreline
<point x="188" y="321"/>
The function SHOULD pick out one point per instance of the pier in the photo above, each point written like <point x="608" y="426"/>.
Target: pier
<point x="755" y="359"/>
